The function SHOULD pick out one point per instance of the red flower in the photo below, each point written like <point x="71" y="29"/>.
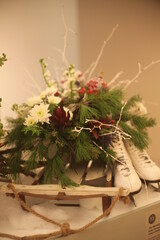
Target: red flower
<point x="60" y="118"/>
<point x="91" y="91"/>
<point x="104" y="85"/>
<point x="93" y="83"/>
<point x="82" y="90"/>
<point x="95" y="125"/>
<point x="56" y="94"/>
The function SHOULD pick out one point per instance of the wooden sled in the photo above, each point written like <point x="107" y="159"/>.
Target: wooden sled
<point x="56" y="192"/>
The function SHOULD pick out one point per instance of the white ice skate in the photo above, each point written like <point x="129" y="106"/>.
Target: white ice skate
<point x="143" y="164"/>
<point x="125" y="174"/>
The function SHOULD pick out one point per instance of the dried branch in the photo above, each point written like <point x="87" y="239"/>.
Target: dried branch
<point x="94" y="64"/>
<point x="127" y="82"/>
<point x="115" y="78"/>
<point x="65" y="37"/>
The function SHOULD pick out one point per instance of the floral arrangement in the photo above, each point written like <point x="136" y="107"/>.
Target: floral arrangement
<point x="71" y="122"/>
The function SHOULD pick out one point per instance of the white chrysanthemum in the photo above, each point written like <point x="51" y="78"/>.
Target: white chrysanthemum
<point x="40" y="113"/>
<point x="70" y="113"/>
<point x="53" y="99"/>
<point x="49" y="91"/>
<point x="34" y="100"/>
<point x="29" y="121"/>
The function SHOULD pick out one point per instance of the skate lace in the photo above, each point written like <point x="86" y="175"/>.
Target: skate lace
<point x="143" y="157"/>
<point x="121" y="157"/>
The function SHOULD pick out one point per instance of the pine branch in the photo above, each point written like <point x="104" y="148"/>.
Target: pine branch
<point x="139" y="138"/>
<point x="133" y="100"/>
<point x="87" y="112"/>
<point x="84" y="148"/>
<point x="142" y="122"/>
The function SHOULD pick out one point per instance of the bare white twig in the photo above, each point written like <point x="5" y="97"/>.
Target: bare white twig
<point x="120" y="115"/>
<point x="150" y="64"/>
<point x="79" y="130"/>
<point x="67" y="30"/>
<point x="108" y="154"/>
<point x="127" y="82"/>
<point x="88" y="70"/>
<point x="115" y="78"/>
<point x="100" y="125"/>
<point x="94" y="64"/>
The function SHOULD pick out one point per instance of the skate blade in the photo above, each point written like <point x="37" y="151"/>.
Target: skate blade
<point x="133" y="199"/>
<point x="155" y="186"/>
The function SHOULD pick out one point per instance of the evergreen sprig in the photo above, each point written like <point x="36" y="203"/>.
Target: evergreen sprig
<point x="3" y="59"/>
<point x="85" y="149"/>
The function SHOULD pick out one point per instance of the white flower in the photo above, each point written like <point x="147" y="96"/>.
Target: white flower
<point x="51" y="83"/>
<point x="47" y="74"/>
<point x="40" y="113"/>
<point x="43" y="95"/>
<point x="49" y="91"/>
<point x="34" y="100"/>
<point x="29" y="121"/>
<point x="68" y="111"/>
<point x="78" y="74"/>
<point x="53" y="99"/>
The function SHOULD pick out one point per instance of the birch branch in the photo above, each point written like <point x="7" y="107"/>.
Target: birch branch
<point x="128" y="82"/>
<point x="115" y="78"/>
<point x="94" y="64"/>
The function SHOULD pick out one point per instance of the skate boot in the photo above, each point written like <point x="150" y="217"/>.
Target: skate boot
<point x="144" y="166"/>
<point x="125" y="174"/>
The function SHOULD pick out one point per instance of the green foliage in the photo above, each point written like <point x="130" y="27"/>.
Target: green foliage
<point x="15" y="133"/>
<point x="132" y="101"/>
<point x="3" y="59"/>
<point x="15" y="164"/>
<point x="31" y="162"/>
<point x="139" y="138"/>
<point x="87" y="112"/>
<point x="55" y="168"/>
<point x="84" y="148"/>
<point x="34" y="129"/>
<point x="43" y="67"/>
<point x="142" y="122"/>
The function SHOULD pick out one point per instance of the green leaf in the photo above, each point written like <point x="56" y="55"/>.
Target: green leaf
<point x="34" y="129"/>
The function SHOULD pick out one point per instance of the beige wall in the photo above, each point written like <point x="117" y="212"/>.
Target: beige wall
<point x="30" y="30"/>
<point x="137" y="39"/>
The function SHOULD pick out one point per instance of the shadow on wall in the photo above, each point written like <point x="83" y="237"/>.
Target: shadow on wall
<point x="136" y="40"/>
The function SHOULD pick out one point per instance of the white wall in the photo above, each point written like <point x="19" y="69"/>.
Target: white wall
<point x="30" y="30"/>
